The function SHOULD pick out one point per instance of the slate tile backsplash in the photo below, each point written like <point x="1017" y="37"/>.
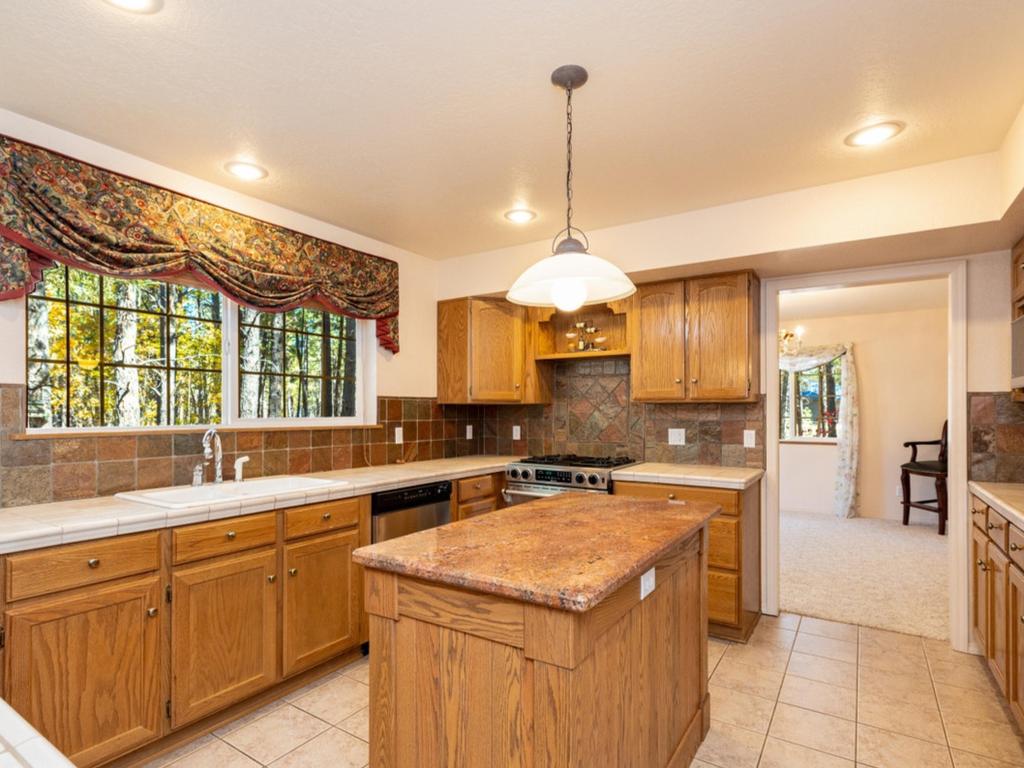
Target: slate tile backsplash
<point x="996" y="437"/>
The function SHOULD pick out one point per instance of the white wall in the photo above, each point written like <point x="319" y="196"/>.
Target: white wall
<point x="902" y="363"/>
<point x="988" y="322"/>
<point x="409" y="373"/>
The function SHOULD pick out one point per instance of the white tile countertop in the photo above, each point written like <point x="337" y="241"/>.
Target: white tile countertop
<point x="62" y="522"/>
<point x="1006" y="498"/>
<point x="733" y="478"/>
<point x="21" y="746"/>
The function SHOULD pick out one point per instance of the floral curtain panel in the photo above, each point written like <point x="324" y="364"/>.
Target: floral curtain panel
<point x="845" y="503"/>
<point x="54" y="208"/>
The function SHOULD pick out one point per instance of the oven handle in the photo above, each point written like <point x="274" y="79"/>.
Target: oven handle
<point x="507" y="495"/>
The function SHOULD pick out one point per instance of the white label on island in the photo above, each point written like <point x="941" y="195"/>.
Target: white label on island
<point x="646" y="583"/>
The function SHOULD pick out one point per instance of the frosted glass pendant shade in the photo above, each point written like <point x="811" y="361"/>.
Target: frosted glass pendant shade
<point x="569" y="280"/>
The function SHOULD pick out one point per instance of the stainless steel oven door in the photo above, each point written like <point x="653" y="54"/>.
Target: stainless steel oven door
<point x="520" y="493"/>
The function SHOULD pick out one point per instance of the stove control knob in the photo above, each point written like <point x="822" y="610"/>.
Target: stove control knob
<point x="514" y="474"/>
<point x="593" y="479"/>
<point x="525" y="474"/>
<point x="580" y="478"/>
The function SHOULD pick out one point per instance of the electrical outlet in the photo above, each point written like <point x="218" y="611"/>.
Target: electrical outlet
<point x="677" y="437"/>
<point x="749" y="438"/>
<point x="646" y="583"/>
<point x="398" y="435"/>
<point x="469" y="431"/>
<point x="517" y="432"/>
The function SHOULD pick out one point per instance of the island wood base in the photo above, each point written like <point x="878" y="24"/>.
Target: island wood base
<point x="462" y="678"/>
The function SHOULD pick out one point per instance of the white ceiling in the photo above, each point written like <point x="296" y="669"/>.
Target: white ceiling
<point x="420" y="123"/>
<point x="863" y="300"/>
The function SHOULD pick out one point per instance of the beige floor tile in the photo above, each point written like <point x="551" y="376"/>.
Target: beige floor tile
<point x="331" y="749"/>
<point x="782" y="621"/>
<point x="823" y="670"/>
<point x="964" y="701"/>
<point x="825" y="628"/>
<point x="963" y="759"/>
<point x="921" y="722"/>
<point x="913" y="686"/>
<point x="335" y="700"/>
<point x="910" y="645"/>
<point x="819" y="697"/>
<point x="969" y="672"/>
<point x="359" y="670"/>
<point x="883" y="749"/>
<point x="746" y="679"/>
<point x="824" y="733"/>
<point x="243" y="721"/>
<point x="782" y="754"/>
<point x="277" y="734"/>
<point x="215" y="754"/>
<point x="715" y="650"/>
<point x="826" y="647"/>
<point x="727" y="746"/>
<point x="766" y="656"/>
<point x="983" y="737"/>
<point x="891" y="659"/>
<point x="701" y="764"/>
<point x="300" y="692"/>
<point x="741" y="709"/>
<point x="358" y="724"/>
<point x="775" y="637"/>
<point x="941" y="650"/>
<point x="184" y="749"/>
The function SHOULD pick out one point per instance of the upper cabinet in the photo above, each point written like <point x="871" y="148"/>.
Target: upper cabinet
<point x="657" y="366"/>
<point x="721" y="337"/>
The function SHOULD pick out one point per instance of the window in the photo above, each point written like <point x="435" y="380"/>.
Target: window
<point x="107" y="352"/>
<point x="809" y="402"/>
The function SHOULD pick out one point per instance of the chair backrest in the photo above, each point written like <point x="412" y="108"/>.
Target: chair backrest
<point x="944" y="444"/>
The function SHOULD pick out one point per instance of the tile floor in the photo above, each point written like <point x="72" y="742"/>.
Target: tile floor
<point x="323" y="725"/>
<point x="808" y="693"/>
<point x="804" y="693"/>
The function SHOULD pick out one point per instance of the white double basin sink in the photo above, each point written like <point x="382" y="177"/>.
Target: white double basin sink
<point x="185" y="498"/>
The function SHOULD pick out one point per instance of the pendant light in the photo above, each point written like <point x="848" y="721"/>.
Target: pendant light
<point x="570" y="277"/>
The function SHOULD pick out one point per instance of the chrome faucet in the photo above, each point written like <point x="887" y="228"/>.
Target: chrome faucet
<point x="212" y="450"/>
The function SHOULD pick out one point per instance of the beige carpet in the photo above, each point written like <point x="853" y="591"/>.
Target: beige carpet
<point x="876" y="573"/>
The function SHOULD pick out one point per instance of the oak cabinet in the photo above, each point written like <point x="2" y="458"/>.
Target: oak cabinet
<point x="998" y="604"/>
<point x="85" y="669"/>
<point x="223" y="633"/>
<point x="657" y="366"/>
<point x="322" y="599"/>
<point x="1015" y="625"/>
<point x="979" y="588"/>
<point x="477" y="495"/>
<point x="481" y="352"/>
<point x="721" y="337"/>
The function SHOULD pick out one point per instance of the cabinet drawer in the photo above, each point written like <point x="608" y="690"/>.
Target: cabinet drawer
<point x="1016" y="548"/>
<point x="979" y="512"/>
<point x="471" y="488"/>
<point x="76" y="565"/>
<point x="997" y="527"/>
<point x="474" y="508"/>
<point x="724" y="598"/>
<point x="321" y="518"/>
<point x="724" y="543"/>
<point x="222" y="537"/>
<point x="728" y="500"/>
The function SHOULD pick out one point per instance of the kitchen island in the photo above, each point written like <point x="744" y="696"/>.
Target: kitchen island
<point x="570" y="631"/>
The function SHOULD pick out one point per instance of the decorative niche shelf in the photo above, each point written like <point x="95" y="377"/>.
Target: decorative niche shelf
<point x="611" y="320"/>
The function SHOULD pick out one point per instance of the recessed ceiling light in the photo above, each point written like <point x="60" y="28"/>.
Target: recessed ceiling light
<point x="246" y="171"/>
<point x="874" y="134"/>
<point x="520" y="215"/>
<point x="137" y="6"/>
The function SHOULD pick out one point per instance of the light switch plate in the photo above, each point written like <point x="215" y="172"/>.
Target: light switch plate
<point x="646" y="583"/>
<point x="469" y="431"/>
<point x="749" y="437"/>
<point x="517" y="432"/>
<point x="398" y="435"/>
<point x="677" y="437"/>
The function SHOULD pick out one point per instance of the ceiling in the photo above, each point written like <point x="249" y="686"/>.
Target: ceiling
<point x="863" y="300"/>
<point x="419" y="124"/>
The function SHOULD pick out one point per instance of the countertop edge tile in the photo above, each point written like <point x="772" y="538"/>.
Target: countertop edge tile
<point x="1006" y="498"/>
<point x="696" y="475"/>
<point x="24" y="742"/>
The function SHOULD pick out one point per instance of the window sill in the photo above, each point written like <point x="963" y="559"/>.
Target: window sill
<point x="58" y="434"/>
<point x="810" y="441"/>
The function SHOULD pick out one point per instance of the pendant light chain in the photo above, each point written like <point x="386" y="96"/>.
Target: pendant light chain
<point x="568" y="155"/>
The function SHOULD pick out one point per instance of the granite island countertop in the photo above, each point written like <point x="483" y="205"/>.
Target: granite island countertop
<point x="1006" y="498"/>
<point x="568" y="551"/>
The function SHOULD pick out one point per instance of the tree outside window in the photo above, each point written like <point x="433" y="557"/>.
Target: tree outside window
<point x="809" y="401"/>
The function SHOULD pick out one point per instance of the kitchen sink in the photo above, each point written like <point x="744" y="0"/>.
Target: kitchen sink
<point x="188" y="497"/>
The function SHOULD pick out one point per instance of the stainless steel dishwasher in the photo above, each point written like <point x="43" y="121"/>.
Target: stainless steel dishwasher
<point x="407" y="510"/>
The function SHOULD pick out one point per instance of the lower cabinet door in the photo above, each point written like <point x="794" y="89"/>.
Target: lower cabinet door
<point x="85" y="670"/>
<point x="223" y="633"/>
<point x="723" y="597"/>
<point x="1015" y="619"/>
<point x="478" y="507"/>
<point x="998" y="641"/>
<point x="322" y="599"/>
<point x="979" y="588"/>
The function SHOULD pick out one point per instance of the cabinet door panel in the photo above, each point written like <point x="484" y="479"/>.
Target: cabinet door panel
<point x="723" y="597"/>
<point x="322" y="599"/>
<point x="979" y="588"/>
<point x="718" y="337"/>
<point x="998" y="605"/>
<point x="85" y="670"/>
<point x="495" y="351"/>
<point x="224" y="633"/>
<point x="657" y="363"/>
<point x="1015" y="620"/>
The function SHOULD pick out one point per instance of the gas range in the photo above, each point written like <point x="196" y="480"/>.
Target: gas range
<point x="539" y="476"/>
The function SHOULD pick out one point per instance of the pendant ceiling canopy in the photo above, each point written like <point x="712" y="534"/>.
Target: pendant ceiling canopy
<point x="571" y="277"/>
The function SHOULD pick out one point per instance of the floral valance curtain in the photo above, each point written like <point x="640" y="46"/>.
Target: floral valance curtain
<point x="845" y="504"/>
<point x="54" y="208"/>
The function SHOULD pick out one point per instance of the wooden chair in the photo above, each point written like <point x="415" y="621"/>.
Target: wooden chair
<point x="936" y="469"/>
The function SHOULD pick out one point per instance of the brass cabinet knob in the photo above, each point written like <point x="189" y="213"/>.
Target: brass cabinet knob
<point x="517" y="386"/>
<point x="94" y="562"/>
<point x="293" y="571"/>
<point x="272" y="578"/>
<point x="992" y="526"/>
<point x="151" y="612"/>
<point x="679" y="381"/>
<point x="982" y="565"/>
<point x="1014" y="546"/>
<point x="326" y="516"/>
<point x="671" y="497"/>
<point x="231" y="535"/>
<point x="693" y="381"/>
